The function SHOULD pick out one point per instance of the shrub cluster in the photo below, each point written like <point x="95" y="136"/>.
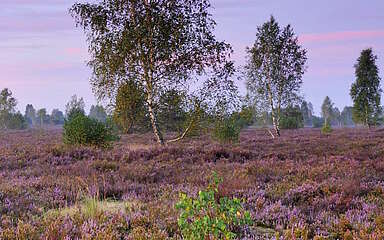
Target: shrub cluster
<point x="204" y="217"/>
<point x="292" y="118"/>
<point x="82" y="130"/>
<point x="227" y="131"/>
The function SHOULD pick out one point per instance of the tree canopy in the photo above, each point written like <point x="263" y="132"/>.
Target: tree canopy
<point x="275" y="67"/>
<point x="7" y="107"/>
<point x="163" y="44"/>
<point x="7" y="101"/>
<point x="30" y="114"/>
<point x="129" y="107"/>
<point x="98" y="113"/>
<point x="327" y="110"/>
<point x="74" y="107"/>
<point x="366" y="91"/>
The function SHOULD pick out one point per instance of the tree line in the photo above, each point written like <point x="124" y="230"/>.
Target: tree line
<point x="32" y="118"/>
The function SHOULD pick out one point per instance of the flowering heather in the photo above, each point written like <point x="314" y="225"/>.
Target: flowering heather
<point x="304" y="185"/>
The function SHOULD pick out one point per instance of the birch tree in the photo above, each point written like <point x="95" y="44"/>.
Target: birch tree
<point x="327" y="110"/>
<point x="160" y="44"/>
<point x="275" y="66"/>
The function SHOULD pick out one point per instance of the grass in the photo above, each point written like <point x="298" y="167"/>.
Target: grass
<point x="91" y="207"/>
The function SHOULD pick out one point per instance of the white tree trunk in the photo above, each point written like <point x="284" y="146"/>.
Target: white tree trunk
<point x="155" y="127"/>
<point x="275" y="124"/>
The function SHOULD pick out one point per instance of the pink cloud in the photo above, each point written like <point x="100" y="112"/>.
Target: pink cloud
<point x="74" y="51"/>
<point x="340" y="36"/>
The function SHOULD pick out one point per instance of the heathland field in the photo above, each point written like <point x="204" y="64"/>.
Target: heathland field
<point x="303" y="185"/>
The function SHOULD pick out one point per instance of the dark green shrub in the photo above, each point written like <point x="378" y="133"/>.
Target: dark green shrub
<point x="227" y="131"/>
<point x="292" y="118"/>
<point x="245" y="117"/>
<point x="171" y="112"/>
<point x="207" y="217"/>
<point x="82" y="130"/>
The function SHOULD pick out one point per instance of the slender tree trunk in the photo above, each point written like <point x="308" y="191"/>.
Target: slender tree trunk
<point x="155" y="127"/>
<point x="277" y="128"/>
<point x="270" y="132"/>
<point x="274" y="119"/>
<point x="128" y="127"/>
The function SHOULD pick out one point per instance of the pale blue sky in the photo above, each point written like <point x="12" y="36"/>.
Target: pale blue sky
<point x="43" y="55"/>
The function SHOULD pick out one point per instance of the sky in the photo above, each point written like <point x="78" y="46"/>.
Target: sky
<point x="43" y="54"/>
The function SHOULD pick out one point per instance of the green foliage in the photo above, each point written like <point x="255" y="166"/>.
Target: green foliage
<point x="275" y="67"/>
<point x="245" y="117"/>
<point x="158" y="45"/>
<point x="326" y="128"/>
<point x="226" y="130"/>
<point x="98" y="113"/>
<point x="130" y="111"/>
<point x="206" y="217"/>
<point x="171" y="110"/>
<point x="7" y="101"/>
<point x="9" y="119"/>
<point x="198" y="120"/>
<point x="91" y="208"/>
<point x="7" y="107"/>
<point x="16" y="122"/>
<point x="292" y="118"/>
<point x="366" y="91"/>
<point x="74" y="107"/>
<point x="82" y="130"/>
<point x="327" y="109"/>
<point x="42" y="117"/>
<point x="317" y="122"/>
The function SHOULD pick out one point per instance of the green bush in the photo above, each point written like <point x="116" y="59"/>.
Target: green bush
<point x="245" y="117"/>
<point x="82" y="130"/>
<point x="292" y="118"/>
<point x="227" y="131"/>
<point x="290" y="123"/>
<point x="326" y="128"/>
<point x="205" y="217"/>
